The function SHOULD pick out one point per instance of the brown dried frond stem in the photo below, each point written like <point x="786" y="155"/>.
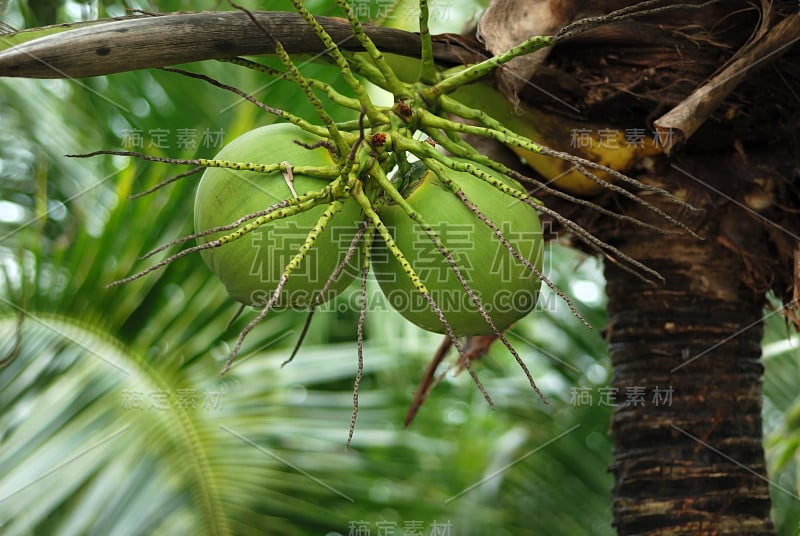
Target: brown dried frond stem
<point x="427" y="381"/>
<point x="235" y="316"/>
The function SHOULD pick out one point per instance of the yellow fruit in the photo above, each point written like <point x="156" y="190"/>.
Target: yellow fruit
<point x="617" y="149"/>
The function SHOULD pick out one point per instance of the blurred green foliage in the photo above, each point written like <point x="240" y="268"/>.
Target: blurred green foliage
<point x="113" y="419"/>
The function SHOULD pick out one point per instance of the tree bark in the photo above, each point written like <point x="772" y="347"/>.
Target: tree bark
<point x="688" y="456"/>
<point x="686" y="352"/>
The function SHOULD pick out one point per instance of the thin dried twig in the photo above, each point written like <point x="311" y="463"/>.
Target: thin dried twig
<point x="641" y="9"/>
<point x="220" y="228"/>
<point x="362" y="315"/>
<point x="167" y="182"/>
<point x="354" y="244"/>
<point x="517" y="255"/>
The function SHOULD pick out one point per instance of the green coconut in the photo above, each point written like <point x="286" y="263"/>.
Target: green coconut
<point x="250" y="267"/>
<point x="507" y="288"/>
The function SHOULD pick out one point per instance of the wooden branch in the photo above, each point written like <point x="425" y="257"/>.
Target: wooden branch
<point x="143" y="42"/>
<point x="683" y="120"/>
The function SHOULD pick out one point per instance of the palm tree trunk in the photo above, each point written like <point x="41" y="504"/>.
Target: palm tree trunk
<point x="687" y="378"/>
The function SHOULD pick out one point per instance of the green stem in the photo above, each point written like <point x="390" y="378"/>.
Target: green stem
<point x="340" y="61"/>
<point x="360" y="197"/>
<point x="304" y="203"/>
<point x="582" y="233"/>
<point x="393" y="84"/>
<point x="319" y="227"/>
<point x="479" y="70"/>
<point x="323" y="172"/>
<point x="426" y="153"/>
<point x="354" y="125"/>
<point x="496" y="132"/>
<point x="428" y="73"/>
<point x="358" y="194"/>
<point x="378" y="175"/>
<point x="335" y="97"/>
<point x="361" y="66"/>
<point x="300" y="80"/>
<point x="463" y="150"/>
<point x="452" y="106"/>
<point x="293" y="206"/>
